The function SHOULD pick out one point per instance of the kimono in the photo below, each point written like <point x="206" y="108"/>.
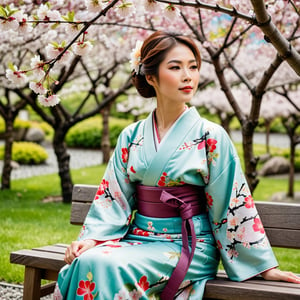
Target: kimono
<point x="138" y="254"/>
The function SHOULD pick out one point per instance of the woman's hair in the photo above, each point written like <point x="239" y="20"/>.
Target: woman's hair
<point x="153" y="52"/>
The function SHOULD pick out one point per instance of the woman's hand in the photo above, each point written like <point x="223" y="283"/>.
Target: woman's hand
<point x="277" y="275"/>
<point x="76" y="248"/>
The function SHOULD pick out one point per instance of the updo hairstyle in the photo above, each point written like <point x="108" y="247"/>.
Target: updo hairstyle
<point x="153" y="52"/>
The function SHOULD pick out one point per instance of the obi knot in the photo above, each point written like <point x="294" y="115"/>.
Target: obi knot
<point x="185" y="209"/>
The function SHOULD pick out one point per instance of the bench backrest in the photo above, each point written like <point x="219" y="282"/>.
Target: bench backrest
<point x="281" y="220"/>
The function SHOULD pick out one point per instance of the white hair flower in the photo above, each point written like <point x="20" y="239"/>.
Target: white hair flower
<point x="135" y="57"/>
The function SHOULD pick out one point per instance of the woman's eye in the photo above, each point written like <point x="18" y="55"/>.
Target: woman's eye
<point x="194" y="67"/>
<point x="174" y="68"/>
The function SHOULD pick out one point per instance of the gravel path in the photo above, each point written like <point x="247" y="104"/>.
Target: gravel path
<point x="79" y="159"/>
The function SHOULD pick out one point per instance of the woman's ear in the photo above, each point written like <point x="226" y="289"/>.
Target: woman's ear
<point x="150" y="79"/>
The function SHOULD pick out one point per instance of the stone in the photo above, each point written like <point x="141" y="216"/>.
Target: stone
<point x="274" y="166"/>
<point x="35" y="134"/>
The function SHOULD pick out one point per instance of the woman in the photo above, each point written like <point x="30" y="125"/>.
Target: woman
<point x="182" y="174"/>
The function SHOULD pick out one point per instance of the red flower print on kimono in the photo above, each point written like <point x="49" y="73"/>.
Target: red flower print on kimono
<point x="143" y="283"/>
<point x="211" y="145"/>
<point x="209" y="200"/>
<point x="124" y="155"/>
<point x="102" y="187"/>
<point x="249" y="202"/>
<point x="258" y="226"/>
<point x="86" y="288"/>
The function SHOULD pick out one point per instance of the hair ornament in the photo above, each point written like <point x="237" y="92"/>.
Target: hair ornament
<point x="135" y="58"/>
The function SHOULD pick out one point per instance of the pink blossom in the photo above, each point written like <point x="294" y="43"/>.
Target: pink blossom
<point x="9" y="23"/>
<point x="152" y="5"/>
<point x="37" y="66"/>
<point x="48" y="101"/>
<point x="38" y="88"/>
<point x="17" y="77"/>
<point x="94" y="5"/>
<point x="82" y="48"/>
<point x="52" y="51"/>
<point x="125" y="9"/>
<point x="171" y="12"/>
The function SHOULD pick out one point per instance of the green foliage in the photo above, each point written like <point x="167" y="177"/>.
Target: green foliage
<point x="27" y="153"/>
<point x="88" y="133"/>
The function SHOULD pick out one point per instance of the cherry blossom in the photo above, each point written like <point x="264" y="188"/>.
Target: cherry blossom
<point x="135" y="56"/>
<point x="48" y="101"/>
<point x="37" y="66"/>
<point x="17" y="77"/>
<point x="38" y="88"/>
<point x="82" y="48"/>
<point x="125" y="9"/>
<point x="94" y="5"/>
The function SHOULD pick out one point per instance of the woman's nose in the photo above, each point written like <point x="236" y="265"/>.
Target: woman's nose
<point x="186" y="75"/>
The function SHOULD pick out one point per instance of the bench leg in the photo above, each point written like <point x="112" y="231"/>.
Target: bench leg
<point x="32" y="284"/>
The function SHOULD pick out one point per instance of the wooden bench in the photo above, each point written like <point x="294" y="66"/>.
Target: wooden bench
<point x="281" y="222"/>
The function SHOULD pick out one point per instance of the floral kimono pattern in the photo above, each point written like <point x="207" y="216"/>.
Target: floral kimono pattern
<point x="138" y="254"/>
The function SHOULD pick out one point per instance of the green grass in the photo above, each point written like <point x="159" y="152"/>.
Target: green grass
<point x="27" y="222"/>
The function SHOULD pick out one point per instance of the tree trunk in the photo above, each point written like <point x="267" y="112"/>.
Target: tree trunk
<point x="249" y="158"/>
<point x="9" y="139"/>
<point x="105" y="141"/>
<point x="63" y="160"/>
<point x="268" y="129"/>
<point x="290" y="192"/>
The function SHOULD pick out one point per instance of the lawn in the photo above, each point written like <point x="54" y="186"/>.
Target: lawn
<point x="26" y="221"/>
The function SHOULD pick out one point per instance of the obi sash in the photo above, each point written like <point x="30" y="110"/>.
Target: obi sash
<point x="181" y="201"/>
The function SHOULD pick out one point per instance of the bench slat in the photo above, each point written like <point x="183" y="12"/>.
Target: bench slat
<point x="51" y="249"/>
<point x="38" y="259"/>
<point x="249" y="290"/>
<point x="83" y="192"/>
<point x="78" y="212"/>
<point x="274" y="215"/>
<point x="284" y="238"/>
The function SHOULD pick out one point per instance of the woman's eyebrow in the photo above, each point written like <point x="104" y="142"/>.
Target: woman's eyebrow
<point x="179" y="61"/>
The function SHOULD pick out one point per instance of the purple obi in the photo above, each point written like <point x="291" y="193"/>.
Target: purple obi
<point x="183" y="201"/>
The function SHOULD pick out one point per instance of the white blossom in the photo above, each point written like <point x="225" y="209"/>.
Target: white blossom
<point x="38" y="88"/>
<point x="10" y="23"/>
<point x="48" y="101"/>
<point x="125" y="9"/>
<point x="17" y="77"/>
<point x="171" y="12"/>
<point x="82" y="48"/>
<point x="94" y="5"/>
<point x="152" y="5"/>
<point x="37" y="66"/>
<point x="135" y="56"/>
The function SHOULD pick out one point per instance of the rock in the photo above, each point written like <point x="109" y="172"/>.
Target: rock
<point x="35" y="134"/>
<point x="274" y="166"/>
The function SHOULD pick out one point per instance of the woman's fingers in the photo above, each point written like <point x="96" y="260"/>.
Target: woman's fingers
<point x="76" y="248"/>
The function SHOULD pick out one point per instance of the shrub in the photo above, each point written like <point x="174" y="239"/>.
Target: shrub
<point x="27" y="153"/>
<point x="88" y="133"/>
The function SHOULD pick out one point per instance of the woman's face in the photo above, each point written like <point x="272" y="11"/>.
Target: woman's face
<point x="178" y="76"/>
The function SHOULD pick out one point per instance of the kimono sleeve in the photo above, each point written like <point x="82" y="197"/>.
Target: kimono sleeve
<point x="110" y="213"/>
<point x="237" y="228"/>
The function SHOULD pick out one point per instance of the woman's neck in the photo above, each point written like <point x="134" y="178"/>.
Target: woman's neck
<point x="166" y="117"/>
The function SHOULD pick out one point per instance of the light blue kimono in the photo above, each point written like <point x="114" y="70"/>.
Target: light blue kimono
<point x="139" y="255"/>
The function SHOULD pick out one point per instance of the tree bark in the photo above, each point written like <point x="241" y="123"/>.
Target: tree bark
<point x="63" y="160"/>
<point x="9" y="139"/>
<point x="105" y="141"/>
